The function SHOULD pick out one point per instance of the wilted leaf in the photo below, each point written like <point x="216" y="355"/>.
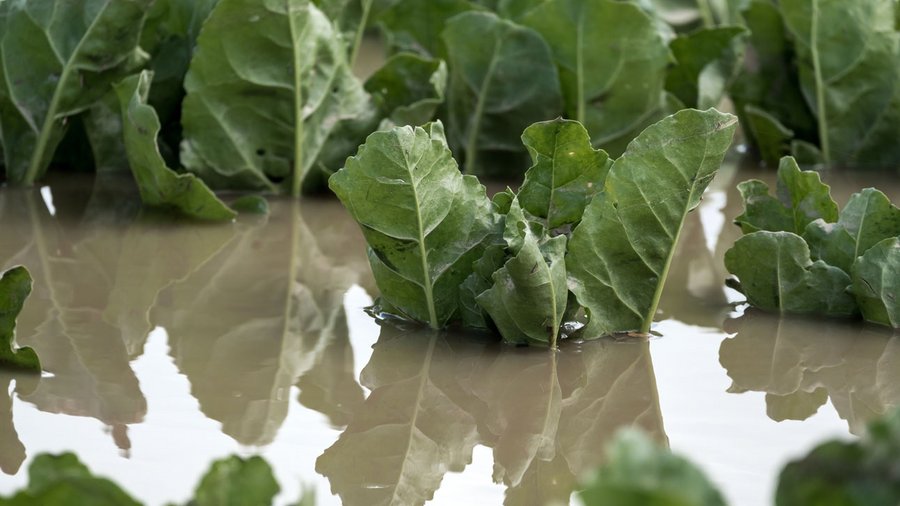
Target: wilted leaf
<point x="15" y="287"/>
<point x="619" y="256"/>
<point x="876" y="283"/>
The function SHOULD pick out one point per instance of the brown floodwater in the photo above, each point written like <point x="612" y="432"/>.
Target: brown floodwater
<point x="168" y="345"/>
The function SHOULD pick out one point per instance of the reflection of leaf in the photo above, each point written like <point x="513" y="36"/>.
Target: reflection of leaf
<point x="15" y="286"/>
<point x="792" y="359"/>
<point x="270" y="307"/>
<point x="410" y="431"/>
<point x="12" y="451"/>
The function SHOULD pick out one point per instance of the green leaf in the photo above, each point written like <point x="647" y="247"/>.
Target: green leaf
<point x="502" y="79"/>
<point x="842" y="473"/>
<point x="612" y="63"/>
<point x="876" y="284"/>
<point x="566" y="174"/>
<point x="620" y="253"/>
<point x="472" y="315"/>
<point x="841" y="50"/>
<point x="773" y="139"/>
<point x="352" y="18"/>
<point x="249" y="123"/>
<point x="234" y="481"/>
<point x="777" y="274"/>
<point x="409" y="88"/>
<point x="62" y="480"/>
<point x="867" y="219"/>
<point x="15" y="287"/>
<point x="251" y="204"/>
<point x="424" y="221"/>
<point x="103" y="126"/>
<point x="640" y="473"/>
<point x="528" y="298"/>
<point x="706" y="63"/>
<point x="159" y="185"/>
<point x="801" y="198"/>
<point x="58" y="58"/>
<point x="415" y="26"/>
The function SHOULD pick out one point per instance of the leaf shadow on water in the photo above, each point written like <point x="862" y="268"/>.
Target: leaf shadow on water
<point x="265" y="314"/>
<point x="800" y="364"/>
<point x="98" y="267"/>
<point x="547" y="416"/>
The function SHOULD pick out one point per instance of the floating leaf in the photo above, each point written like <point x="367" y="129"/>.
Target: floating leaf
<point x="876" y="284"/>
<point x="502" y="79"/>
<point x="801" y="198"/>
<point x="620" y="254"/>
<point x="566" y="174"/>
<point x="159" y="185"/>
<point x="612" y="61"/>
<point x="251" y="124"/>
<point x="777" y="274"/>
<point x="425" y="222"/>
<point x="15" y="287"/>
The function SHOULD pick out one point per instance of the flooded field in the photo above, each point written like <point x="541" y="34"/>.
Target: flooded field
<point x="168" y="345"/>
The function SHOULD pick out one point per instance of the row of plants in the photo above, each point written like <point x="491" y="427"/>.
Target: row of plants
<point x="637" y="472"/>
<point x="260" y="97"/>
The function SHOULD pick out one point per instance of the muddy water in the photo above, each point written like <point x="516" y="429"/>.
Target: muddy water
<point x="168" y="345"/>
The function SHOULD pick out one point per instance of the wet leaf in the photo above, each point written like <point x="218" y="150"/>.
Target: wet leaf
<point x="612" y="61"/>
<point x="251" y="125"/>
<point x="706" y="64"/>
<point x="82" y="46"/>
<point x="528" y="298"/>
<point x="566" y="174"/>
<point x="867" y="219"/>
<point x="425" y="222"/>
<point x="619" y="256"/>
<point x="638" y="472"/>
<point x="64" y="480"/>
<point x="777" y="274"/>
<point x="160" y="186"/>
<point x="502" y="79"/>
<point x="234" y="481"/>
<point x="876" y="284"/>
<point x="801" y="198"/>
<point x="842" y="473"/>
<point x="409" y="88"/>
<point x="15" y="287"/>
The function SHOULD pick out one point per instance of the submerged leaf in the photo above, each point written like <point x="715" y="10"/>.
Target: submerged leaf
<point x="159" y="185"/>
<point x="777" y="274"/>
<point x="566" y="174"/>
<point x="639" y="473"/>
<point x="424" y="221"/>
<point x="868" y="218"/>
<point x="59" y="57"/>
<point x="612" y="61"/>
<point x="502" y="79"/>
<point x="876" y="283"/>
<point x="236" y="481"/>
<point x="269" y="93"/>
<point x="620" y="254"/>
<point x="801" y="198"/>
<point x="15" y="287"/>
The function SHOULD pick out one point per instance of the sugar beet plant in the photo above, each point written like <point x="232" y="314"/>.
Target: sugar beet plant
<point x="583" y="231"/>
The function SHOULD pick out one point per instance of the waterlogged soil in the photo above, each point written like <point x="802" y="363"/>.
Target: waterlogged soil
<point x="168" y="345"/>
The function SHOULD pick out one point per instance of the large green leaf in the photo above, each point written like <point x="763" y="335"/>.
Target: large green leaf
<point x="640" y="473"/>
<point x="773" y="139"/>
<point x="876" y="284"/>
<point x="777" y="274"/>
<point x="502" y="79"/>
<point x="847" y="54"/>
<point x="352" y="18"/>
<point x="15" y="287"/>
<point x="160" y="186"/>
<point x="528" y="298"/>
<point x="801" y="198"/>
<point x="867" y="219"/>
<point x="58" y="58"/>
<point x="612" y="61"/>
<point x="706" y="63"/>
<point x="566" y="174"/>
<point x="249" y="123"/>
<point x="620" y="253"/>
<point x="838" y="473"/>
<point x="413" y="25"/>
<point x="62" y="480"/>
<point x="234" y="481"/>
<point x="424" y="221"/>
<point x="409" y="88"/>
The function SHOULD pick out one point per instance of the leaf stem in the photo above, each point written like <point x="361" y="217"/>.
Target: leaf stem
<point x="579" y="69"/>
<point x="360" y="31"/>
<point x="299" y="173"/>
<point x="820" y="84"/>
<point x="423" y="255"/>
<point x="706" y="13"/>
